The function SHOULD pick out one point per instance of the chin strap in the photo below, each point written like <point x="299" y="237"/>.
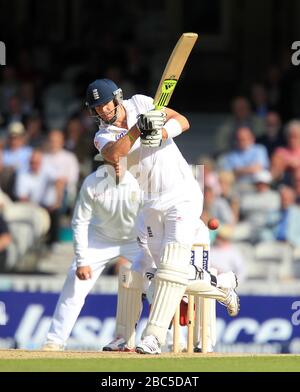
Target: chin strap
<point x="112" y="120"/>
<point x="115" y="117"/>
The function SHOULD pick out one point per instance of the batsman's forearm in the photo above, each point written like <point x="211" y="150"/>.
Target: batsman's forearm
<point x="121" y="147"/>
<point x="182" y="120"/>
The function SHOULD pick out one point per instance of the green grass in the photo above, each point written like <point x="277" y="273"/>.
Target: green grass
<point x="225" y="364"/>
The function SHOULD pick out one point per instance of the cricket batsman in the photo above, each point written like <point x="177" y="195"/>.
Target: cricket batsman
<point x="133" y="285"/>
<point x="172" y="197"/>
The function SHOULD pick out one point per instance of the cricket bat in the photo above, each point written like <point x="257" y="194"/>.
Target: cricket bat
<point x="173" y="69"/>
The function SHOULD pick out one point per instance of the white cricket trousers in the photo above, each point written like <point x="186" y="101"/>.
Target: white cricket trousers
<point x="70" y="303"/>
<point x="168" y="221"/>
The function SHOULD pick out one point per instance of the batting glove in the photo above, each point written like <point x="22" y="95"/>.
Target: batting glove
<point x="154" y="119"/>
<point x="150" y="125"/>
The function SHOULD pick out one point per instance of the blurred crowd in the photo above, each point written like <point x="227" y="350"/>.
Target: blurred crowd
<point x="251" y="179"/>
<point x="252" y="185"/>
<point x="46" y="141"/>
<point x="41" y="165"/>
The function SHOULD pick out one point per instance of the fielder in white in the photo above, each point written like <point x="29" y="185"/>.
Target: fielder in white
<point x="172" y="198"/>
<point x="103" y="226"/>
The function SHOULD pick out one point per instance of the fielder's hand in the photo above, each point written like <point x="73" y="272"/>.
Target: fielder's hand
<point x="150" y="125"/>
<point x="84" y="273"/>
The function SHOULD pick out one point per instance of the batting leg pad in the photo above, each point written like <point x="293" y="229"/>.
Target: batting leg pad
<point x="206" y="290"/>
<point x="170" y="283"/>
<point x="129" y="304"/>
<point x="176" y="254"/>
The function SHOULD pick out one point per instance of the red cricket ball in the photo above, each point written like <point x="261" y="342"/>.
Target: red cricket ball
<point x="213" y="224"/>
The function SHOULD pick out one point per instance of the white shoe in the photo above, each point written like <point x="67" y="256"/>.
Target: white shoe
<point x="233" y="279"/>
<point x="232" y="302"/>
<point x="227" y="280"/>
<point x="118" y="344"/>
<point x="149" y="345"/>
<point x="51" y="346"/>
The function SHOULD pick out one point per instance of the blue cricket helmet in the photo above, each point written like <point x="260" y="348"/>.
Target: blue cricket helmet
<point x="102" y="91"/>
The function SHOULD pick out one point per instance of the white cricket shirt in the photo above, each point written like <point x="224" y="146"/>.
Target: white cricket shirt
<point x="160" y="171"/>
<point x="104" y="214"/>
